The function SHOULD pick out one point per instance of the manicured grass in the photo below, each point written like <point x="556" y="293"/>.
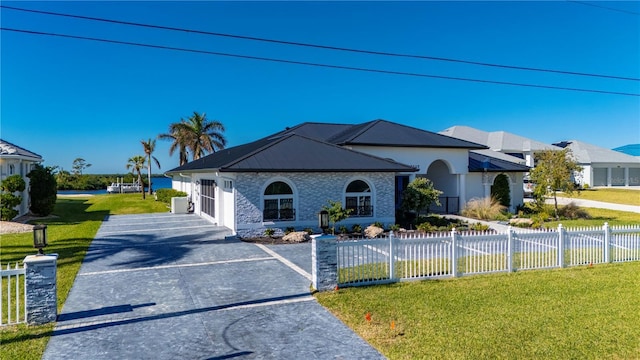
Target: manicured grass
<point x="75" y="223"/>
<point x="616" y="196"/>
<point x="582" y="312"/>
<point x="598" y="218"/>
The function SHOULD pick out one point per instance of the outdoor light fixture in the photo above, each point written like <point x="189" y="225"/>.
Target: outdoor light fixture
<point x="323" y="220"/>
<point x="40" y="238"/>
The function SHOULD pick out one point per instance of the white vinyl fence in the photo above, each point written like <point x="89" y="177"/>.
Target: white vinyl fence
<point x="12" y="295"/>
<point x="419" y="256"/>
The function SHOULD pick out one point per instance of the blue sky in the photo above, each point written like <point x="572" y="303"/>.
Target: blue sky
<point x="68" y="98"/>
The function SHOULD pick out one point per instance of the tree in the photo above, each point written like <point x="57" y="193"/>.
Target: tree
<point x="149" y="147"/>
<point x="179" y="141"/>
<point x="79" y="164"/>
<point x="136" y="163"/>
<point x="42" y="190"/>
<point x="553" y="172"/>
<point x="419" y="195"/>
<point x="198" y="134"/>
<point x="501" y="190"/>
<point x="9" y="200"/>
<point x="336" y="213"/>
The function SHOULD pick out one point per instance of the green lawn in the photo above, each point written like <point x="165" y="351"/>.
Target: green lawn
<point x="75" y="223"/>
<point x="598" y="218"/>
<point x="616" y="196"/>
<point x="574" y="313"/>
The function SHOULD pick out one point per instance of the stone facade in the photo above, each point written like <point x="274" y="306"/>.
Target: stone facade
<point x="41" y="288"/>
<point x="312" y="191"/>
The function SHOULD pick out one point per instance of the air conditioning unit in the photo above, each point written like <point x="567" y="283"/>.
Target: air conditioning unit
<point x="179" y="205"/>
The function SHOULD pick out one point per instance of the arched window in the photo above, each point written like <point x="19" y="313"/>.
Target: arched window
<point x="278" y="202"/>
<point x="358" y="198"/>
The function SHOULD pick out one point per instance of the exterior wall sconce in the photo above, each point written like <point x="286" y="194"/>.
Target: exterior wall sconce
<point x="40" y="238"/>
<point x="323" y="220"/>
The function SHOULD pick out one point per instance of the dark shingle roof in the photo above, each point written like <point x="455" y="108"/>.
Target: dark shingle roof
<point x="292" y="153"/>
<point x="9" y="149"/>
<point x="481" y="162"/>
<point x="386" y="133"/>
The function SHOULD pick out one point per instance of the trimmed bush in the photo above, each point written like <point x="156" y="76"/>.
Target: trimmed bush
<point x="8" y="200"/>
<point x="43" y="190"/>
<point x="501" y="191"/>
<point x="165" y="195"/>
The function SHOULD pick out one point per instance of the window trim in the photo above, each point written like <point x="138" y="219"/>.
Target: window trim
<point x="359" y="195"/>
<point x="279" y="197"/>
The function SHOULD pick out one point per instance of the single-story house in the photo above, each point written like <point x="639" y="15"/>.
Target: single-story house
<point x="603" y="167"/>
<point x="16" y="160"/>
<point x="284" y="180"/>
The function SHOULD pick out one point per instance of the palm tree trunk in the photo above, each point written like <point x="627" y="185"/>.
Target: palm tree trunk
<point x="149" y="175"/>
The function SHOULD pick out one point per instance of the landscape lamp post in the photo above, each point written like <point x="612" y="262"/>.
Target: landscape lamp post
<point x="323" y="220"/>
<point x="40" y="238"/>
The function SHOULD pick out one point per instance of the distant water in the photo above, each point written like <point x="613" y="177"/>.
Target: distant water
<point x="157" y="182"/>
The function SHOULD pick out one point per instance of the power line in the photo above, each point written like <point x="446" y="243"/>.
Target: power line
<point x="604" y="7"/>
<point x="316" y="64"/>
<point x="326" y="47"/>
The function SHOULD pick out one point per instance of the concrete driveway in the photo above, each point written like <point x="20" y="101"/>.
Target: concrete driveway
<point x="164" y="286"/>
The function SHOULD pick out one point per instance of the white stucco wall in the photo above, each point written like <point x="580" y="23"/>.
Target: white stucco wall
<point x="17" y="166"/>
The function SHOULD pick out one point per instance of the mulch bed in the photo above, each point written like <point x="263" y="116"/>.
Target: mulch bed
<point x="266" y="240"/>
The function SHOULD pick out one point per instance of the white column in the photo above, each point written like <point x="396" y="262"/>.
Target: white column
<point x="462" y="199"/>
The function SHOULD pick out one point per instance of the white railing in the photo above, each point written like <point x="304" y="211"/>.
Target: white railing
<point x="417" y="256"/>
<point x="12" y="302"/>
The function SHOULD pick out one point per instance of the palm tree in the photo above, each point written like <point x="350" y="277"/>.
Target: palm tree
<point x="179" y="142"/>
<point x="149" y="147"/>
<point x="136" y="163"/>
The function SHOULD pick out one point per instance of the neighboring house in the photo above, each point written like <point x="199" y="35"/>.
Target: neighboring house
<point x="501" y="141"/>
<point x="285" y="179"/>
<point x="603" y="167"/>
<point x="16" y="160"/>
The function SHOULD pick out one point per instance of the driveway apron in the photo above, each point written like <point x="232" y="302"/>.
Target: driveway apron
<point x="165" y="286"/>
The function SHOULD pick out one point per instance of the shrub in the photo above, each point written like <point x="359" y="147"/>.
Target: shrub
<point x="571" y="211"/>
<point x="425" y="227"/>
<point x="343" y="229"/>
<point x="165" y="195"/>
<point x="378" y="224"/>
<point x="356" y="228"/>
<point x="289" y="230"/>
<point x="308" y="231"/>
<point x="585" y="186"/>
<point x="479" y="227"/>
<point x="8" y="200"/>
<point x="394" y="227"/>
<point x="42" y="190"/>
<point x="501" y="190"/>
<point x="486" y="208"/>
<point x="269" y="232"/>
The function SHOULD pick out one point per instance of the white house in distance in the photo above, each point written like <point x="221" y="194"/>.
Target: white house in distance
<point x="501" y="141"/>
<point x="284" y="180"/>
<point x="603" y="167"/>
<point x="16" y="160"/>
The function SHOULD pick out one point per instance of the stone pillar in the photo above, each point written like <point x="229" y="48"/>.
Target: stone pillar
<point x="41" y="289"/>
<point x="324" y="265"/>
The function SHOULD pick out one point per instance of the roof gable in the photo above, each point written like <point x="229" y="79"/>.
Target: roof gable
<point x="585" y="153"/>
<point x="10" y="150"/>
<point x="498" y="140"/>
<point x="386" y="133"/>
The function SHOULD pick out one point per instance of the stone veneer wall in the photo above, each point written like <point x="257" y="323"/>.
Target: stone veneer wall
<point x="312" y="191"/>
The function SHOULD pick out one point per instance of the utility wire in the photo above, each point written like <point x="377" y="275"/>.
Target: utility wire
<point x="604" y="7"/>
<point x="326" y="47"/>
<point x="316" y="64"/>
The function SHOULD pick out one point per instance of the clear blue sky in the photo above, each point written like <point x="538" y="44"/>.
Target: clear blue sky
<point x="68" y="98"/>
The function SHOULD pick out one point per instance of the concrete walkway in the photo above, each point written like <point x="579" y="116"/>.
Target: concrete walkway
<point x="163" y="286"/>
